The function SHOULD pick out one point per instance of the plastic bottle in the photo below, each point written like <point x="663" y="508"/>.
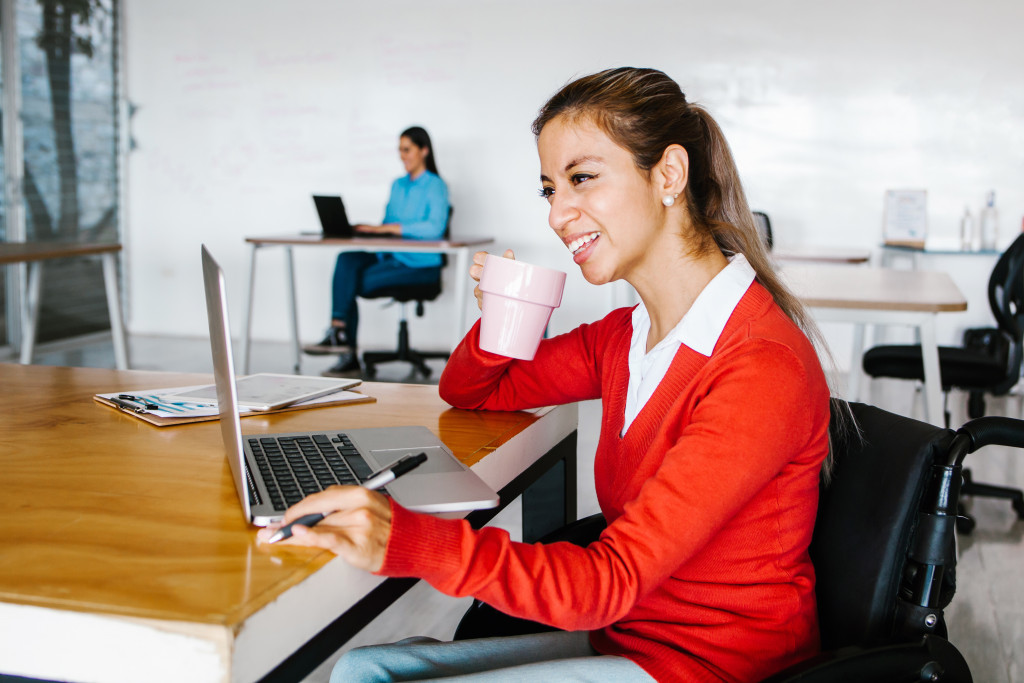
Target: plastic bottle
<point x="989" y="223"/>
<point x="967" y="231"/>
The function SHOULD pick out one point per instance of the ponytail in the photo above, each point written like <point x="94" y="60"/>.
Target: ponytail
<point x="718" y="198"/>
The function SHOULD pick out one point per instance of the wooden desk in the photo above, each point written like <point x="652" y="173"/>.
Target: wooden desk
<point x="461" y="249"/>
<point x="125" y="555"/>
<point x="34" y="253"/>
<point x="884" y="296"/>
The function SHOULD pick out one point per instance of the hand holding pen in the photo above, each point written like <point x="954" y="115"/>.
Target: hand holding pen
<point x="376" y="481"/>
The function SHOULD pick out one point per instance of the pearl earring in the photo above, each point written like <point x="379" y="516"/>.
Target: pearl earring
<point x="669" y="200"/>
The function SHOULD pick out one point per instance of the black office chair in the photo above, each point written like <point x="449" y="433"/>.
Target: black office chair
<point x="883" y="551"/>
<point x="988" y="362"/>
<point x="406" y="294"/>
<point x="764" y="227"/>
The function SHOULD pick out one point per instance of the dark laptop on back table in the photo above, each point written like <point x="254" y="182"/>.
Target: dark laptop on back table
<point x="274" y="471"/>
<point x="333" y="218"/>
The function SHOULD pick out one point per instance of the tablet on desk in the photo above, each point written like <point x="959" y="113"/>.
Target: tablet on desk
<point x="268" y="391"/>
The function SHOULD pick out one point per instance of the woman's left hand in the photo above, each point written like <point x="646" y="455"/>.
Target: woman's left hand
<point x="357" y="526"/>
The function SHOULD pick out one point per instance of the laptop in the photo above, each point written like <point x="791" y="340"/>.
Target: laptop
<point x="333" y="219"/>
<point x="274" y="471"/>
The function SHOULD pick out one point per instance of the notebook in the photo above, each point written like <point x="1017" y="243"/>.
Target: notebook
<point x="333" y="219"/>
<point x="273" y="471"/>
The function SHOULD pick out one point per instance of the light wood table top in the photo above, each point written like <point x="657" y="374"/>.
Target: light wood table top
<point x="106" y="514"/>
<point x="21" y="252"/>
<point x="833" y="286"/>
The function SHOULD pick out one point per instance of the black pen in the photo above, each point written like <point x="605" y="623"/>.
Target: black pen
<point x="377" y="480"/>
<point x="136" y="399"/>
<point x="128" y="405"/>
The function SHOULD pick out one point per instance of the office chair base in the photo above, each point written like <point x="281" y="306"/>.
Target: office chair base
<point x="417" y="358"/>
<point x="965" y="522"/>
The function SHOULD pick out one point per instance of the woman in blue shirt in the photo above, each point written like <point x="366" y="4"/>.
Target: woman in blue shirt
<point x="417" y="209"/>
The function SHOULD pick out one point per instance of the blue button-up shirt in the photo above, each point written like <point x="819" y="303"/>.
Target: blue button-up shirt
<point x="421" y="207"/>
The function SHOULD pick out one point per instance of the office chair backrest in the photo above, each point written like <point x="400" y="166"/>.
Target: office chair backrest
<point x="866" y="516"/>
<point x="418" y="293"/>
<point x="764" y="227"/>
<point x="447" y="233"/>
<point x="1006" y="298"/>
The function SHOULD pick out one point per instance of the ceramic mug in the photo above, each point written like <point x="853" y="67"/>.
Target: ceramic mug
<point x="517" y="302"/>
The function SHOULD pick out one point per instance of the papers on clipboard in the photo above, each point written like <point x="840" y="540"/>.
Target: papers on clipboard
<point x="163" y="407"/>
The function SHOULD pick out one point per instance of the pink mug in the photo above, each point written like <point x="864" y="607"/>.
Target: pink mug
<point x="518" y="299"/>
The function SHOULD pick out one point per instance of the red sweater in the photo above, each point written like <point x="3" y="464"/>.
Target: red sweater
<point x="703" y="572"/>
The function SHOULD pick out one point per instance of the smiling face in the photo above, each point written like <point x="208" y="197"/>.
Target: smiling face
<point x="604" y="209"/>
<point x="414" y="157"/>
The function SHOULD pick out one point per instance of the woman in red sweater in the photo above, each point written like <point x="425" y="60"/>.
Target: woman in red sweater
<point x="714" y="427"/>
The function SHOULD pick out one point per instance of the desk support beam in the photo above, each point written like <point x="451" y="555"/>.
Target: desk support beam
<point x="293" y="309"/>
<point x="30" y="310"/>
<point x="922" y="321"/>
<point x="461" y="287"/>
<point x="114" y="307"/>
<point x="247" y="323"/>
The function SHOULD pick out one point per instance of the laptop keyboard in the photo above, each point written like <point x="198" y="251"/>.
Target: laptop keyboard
<point x="293" y="467"/>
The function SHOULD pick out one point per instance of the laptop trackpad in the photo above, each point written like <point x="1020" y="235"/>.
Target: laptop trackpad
<point x="438" y="460"/>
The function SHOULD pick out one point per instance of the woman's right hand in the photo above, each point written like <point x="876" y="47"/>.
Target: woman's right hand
<point x="477" y="269"/>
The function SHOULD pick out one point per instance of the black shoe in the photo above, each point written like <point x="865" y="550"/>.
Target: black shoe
<point x="347" y="366"/>
<point x="336" y="341"/>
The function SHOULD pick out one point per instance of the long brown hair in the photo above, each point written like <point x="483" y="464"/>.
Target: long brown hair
<point x="421" y="138"/>
<point x="644" y="111"/>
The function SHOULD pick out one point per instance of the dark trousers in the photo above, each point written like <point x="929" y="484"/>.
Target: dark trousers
<point x="359" y="273"/>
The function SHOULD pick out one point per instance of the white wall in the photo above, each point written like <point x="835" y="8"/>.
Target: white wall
<point x="247" y="107"/>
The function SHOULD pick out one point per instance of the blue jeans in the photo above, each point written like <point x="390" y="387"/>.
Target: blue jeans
<point x="358" y="273"/>
<point x="555" y="656"/>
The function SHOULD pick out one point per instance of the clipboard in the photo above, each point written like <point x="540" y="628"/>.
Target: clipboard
<point x="208" y="412"/>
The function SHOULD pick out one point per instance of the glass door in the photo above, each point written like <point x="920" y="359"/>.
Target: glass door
<point x="61" y="151"/>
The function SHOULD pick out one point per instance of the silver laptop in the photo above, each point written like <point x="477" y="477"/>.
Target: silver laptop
<point x="274" y="471"/>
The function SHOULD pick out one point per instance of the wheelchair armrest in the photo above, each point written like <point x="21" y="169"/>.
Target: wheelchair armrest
<point x="483" y="621"/>
<point x="582" y="532"/>
<point x="931" y="658"/>
<point x="994" y="431"/>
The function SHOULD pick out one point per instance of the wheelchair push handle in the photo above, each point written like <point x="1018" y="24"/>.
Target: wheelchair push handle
<point x="988" y="431"/>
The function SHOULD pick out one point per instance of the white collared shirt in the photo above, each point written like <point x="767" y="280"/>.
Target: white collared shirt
<point x="699" y="329"/>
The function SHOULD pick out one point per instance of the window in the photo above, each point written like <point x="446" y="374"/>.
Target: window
<point x="60" y="85"/>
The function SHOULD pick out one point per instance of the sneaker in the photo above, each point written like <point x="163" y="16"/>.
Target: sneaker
<point x="336" y="341"/>
<point x="347" y="366"/>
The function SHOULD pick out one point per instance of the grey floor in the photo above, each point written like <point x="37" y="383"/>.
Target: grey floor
<point x="986" y="618"/>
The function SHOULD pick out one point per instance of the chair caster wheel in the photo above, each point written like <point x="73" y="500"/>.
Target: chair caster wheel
<point x="965" y="524"/>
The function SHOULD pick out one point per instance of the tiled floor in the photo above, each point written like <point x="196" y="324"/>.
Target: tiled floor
<point x="986" y="618"/>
